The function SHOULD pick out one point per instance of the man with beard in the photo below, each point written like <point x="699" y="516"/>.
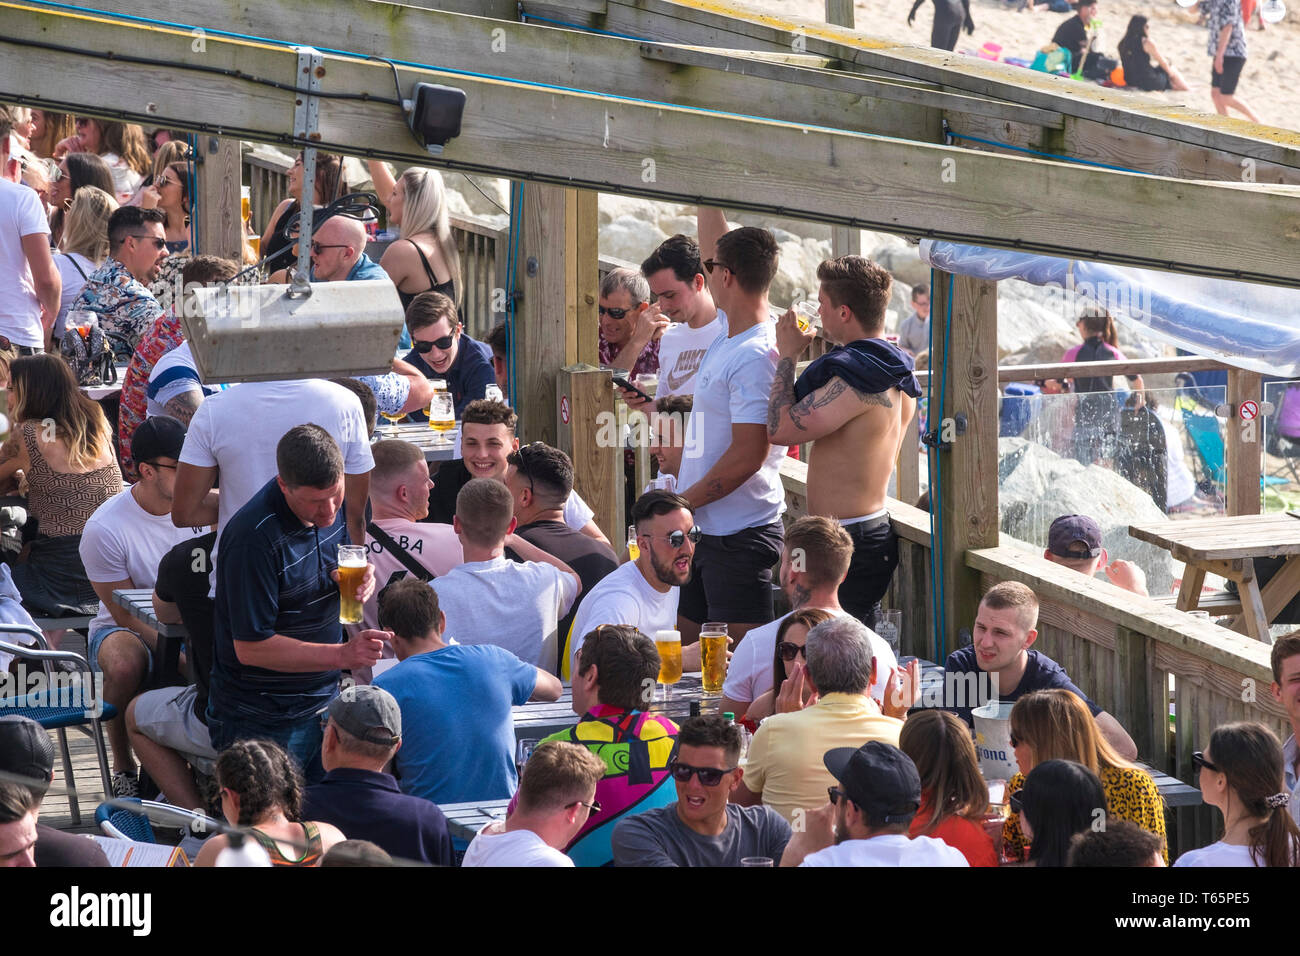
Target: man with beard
<point x="644" y="593"/>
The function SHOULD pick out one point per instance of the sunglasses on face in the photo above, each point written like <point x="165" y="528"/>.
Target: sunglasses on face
<point x="157" y="243"/>
<point x="679" y="538"/>
<point x="789" y="651"/>
<point x="316" y="247"/>
<point x="709" y="776"/>
<point x="834" y="794"/>
<point x="441" y="344"/>
<point x="616" y="314"/>
<point x="1199" y="761"/>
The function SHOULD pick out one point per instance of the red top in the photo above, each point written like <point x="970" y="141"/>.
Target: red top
<point x="959" y="833"/>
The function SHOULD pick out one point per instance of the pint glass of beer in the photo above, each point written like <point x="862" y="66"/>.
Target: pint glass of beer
<point x="442" y="411"/>
<point x="713" y="651"/>
<point x="352" y="571"/>
<point x="669" y="645"/>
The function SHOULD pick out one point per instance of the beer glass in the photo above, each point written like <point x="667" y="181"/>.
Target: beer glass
<point x="442" y="411"/>
<point x="889" y="627"/>
<point x="352" y="571"/>
<point x="807" y="314"/>
<point x="713" y="651"/>
<point x="669" y="644"/>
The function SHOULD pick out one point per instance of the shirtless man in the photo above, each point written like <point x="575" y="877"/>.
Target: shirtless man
<point x="853" y="404"/>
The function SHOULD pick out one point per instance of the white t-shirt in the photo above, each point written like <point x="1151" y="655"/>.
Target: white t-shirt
<point x="750" y="674"/>
<point x="177" y="373"/>
<point x="1217" y="854"/>
<point x="623" y="596"/>
<point x="491" y="847"/>
<point x="680" y="351"/>
<point x="21" y="215"/>
<point x="511" y="604"/>
<point x="237" y="431"/>
<point x="122" y="540"/>
<point x="576" y="511"/>
<point x="125" y="179"/>
<point x="72" y="283"/>
<point x="732" y="387"/>
<point x="890" y="849"/>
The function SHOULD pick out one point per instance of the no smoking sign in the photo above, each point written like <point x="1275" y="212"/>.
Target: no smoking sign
<point x="1248" y="411"/>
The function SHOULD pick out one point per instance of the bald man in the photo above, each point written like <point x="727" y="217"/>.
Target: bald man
<point x="338" y="252"/>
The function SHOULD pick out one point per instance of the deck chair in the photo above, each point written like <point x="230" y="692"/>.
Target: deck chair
<point x="63" y="705"/>
<point x="123" y="824"/>
<point x="1207" y="446"/>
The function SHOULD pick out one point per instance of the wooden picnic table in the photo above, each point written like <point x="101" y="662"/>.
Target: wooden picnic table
<point x="437" y="446"/>
<point x="1228" y="545"/>
<point x="464" y="820"/>
<point x="138" y="602"/>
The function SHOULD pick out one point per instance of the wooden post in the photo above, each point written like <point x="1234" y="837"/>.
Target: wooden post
<point x="556" y="317"/>
<point x="220" y="229"/>
<point x="1242" y="443"/>
<point x="907" y="477"/>
<point x="587" y="431"/>
<point x="968" y="468"/>
<point x="840" y="13"/>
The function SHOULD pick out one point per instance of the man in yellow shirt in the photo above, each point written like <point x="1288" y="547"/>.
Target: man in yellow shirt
<point x="784" y="769"/>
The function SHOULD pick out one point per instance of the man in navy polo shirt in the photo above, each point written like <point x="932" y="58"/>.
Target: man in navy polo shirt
<point x="443" y="350"/>
<point x="278" y="647"/>
<point x="364" y="734"/>
<point x="999" y="665"/>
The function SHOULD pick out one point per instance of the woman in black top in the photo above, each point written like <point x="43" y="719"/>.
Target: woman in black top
<point x="277" y="247"/>
<point x="1136" y="51"/>
<point x="949" y="16"/>
<point x="425" y="258"/>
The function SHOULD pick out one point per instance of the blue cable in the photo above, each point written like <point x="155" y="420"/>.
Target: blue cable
<point x="512" y="256"/>
<point x="526" y="17"/>
<point x="192" y="174"/>
<point x="1035" y="152"/>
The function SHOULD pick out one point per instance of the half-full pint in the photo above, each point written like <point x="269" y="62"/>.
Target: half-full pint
<point x="352" y="571"/>
<point x="669" y="645"/>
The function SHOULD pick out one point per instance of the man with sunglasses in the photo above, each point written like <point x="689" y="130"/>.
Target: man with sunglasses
<point x="122" y="545"/>
<point x="118" y="291"/>
<point x="629" y="330"/>
<point x="441" y="349"/>
<point x="644" y="593"/>
<point x="30" y="287"/>
<point x="878" y="793"/>
<point x="338" y="252"/>
<point x="702" y="828"/>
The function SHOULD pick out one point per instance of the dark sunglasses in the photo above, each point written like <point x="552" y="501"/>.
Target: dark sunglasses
<point x="709" y="776"/>
<point x="1015" y="742"/>
<point x="441" y="344"/>
<point x="158" y="464"/>
<point x="316" y="247"/>
<point x="834" y="794"/>
<point x="1199" y="761"/>
<point x="157" y="243"/>
<point x="679" y="538"/>
<point x="1017" y="805"/>
<point x="612" y="313"/>
<point x="790" y="650"/>
<point x="709" y="265"/>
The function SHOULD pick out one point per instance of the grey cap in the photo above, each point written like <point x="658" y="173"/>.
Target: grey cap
<point x="368" y="713"/>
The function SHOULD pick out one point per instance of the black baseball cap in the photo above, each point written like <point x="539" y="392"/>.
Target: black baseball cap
<point x="26" y="751"/>
<point x="1068" y="529"/>
<point x="879" y="778"/>
<point x="158" y="437"/>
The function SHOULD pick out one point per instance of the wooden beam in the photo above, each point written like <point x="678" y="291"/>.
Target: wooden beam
<point x="556" y="317"/>
<point x="587" y="394"/>
<point x="1181" y="363"/>
<point x="968" y="418"/>
<point x="217" y="209"/>
<point x="1242" y="444"/>
<point x="840" y="13"/>
<point x="665" y="152"/>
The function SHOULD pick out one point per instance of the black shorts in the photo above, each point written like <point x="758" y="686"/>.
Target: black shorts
<point x="1226" y="82"/>
<point x="875" y="556"/>
<point x="731" y="577"/>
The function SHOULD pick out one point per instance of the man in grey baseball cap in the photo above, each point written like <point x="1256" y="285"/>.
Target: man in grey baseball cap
<point x="363" y="735"/>
<point x="878" y="794"/>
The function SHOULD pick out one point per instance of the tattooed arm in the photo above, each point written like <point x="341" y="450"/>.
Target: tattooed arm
<point x="816" y="415"/>
<point x="743" y="457"/>
<point x="184" y="405"/>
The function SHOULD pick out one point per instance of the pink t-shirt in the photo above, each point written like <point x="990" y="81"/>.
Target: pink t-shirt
<point x="434" y="546"/>
<point x="1072" y="353"/>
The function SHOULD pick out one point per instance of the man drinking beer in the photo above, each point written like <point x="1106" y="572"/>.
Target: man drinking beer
<point x="278" y="647"/>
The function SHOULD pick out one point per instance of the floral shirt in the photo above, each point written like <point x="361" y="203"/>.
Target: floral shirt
<point x="120" y="300"/>
<point x="391" y="391"/>
<point x="647" y="363"/>
<point x="1223" y="13"/>
<point x="163" y="336"/>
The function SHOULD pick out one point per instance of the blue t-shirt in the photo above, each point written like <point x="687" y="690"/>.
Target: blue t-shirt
<point x="273" y="577"/>
<point x="467" y="379"/>
<point x="458" y="735"/>
<point x="1041" y="673"/>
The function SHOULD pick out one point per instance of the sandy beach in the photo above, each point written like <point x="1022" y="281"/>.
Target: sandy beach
<point x="1270" y="83"/>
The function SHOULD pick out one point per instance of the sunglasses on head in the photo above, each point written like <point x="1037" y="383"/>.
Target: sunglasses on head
<point x="789" y="651"/>
<point x="612" y="313"/>
<point x="441" y="344"/>
<point x="679" y="538"/>
<point x="709" y="776"/>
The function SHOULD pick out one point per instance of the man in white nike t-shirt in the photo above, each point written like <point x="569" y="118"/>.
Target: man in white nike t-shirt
<point x="676" y="278"/>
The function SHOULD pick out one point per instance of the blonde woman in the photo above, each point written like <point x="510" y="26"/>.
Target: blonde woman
<point x="83" y="246"/>
<point x="425" y="258"/>
<point x="120" y="145"/>
<point x="48" y="130"/>
<point x="61" y="442"/>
